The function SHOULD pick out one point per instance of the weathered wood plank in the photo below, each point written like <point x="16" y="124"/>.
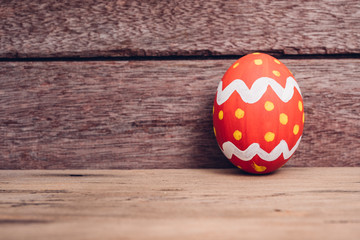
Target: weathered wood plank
<point x="34" y="28"/>
<point x="292" y="203"/>
<point x="157" y="114"/>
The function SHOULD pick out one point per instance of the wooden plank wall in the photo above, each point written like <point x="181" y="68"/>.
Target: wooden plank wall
<point x="130" y="84"/>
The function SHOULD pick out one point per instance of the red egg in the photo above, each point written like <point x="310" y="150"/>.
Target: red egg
<point x="258" y="114"/>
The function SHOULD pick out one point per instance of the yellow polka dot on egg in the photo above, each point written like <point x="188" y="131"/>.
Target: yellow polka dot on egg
<point x="215" y="131"/>
<point x="303" y="118"/>
<point x="258" y="61"/>
<point x="258" y="168"/>
<point x="235" y="65"/>
<point x="239" y="113"/>
<point x="221" y="115"/>
<point x="276" y="73"/>
<point x="237" y="135"/>
<point x="213" y="110"/>
<point x="283" y="118"/>
<point x="277" y="61"/>
<point x="269" y="106"/>
<point x="269" y="136"/>
<point x="255" y="53"/>
<point x="296" y="129"/>
<point x="300" y="105"/>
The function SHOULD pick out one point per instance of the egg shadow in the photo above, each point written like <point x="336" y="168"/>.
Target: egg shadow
<point x="205" y="151"/>
<point x="241" y="173"/>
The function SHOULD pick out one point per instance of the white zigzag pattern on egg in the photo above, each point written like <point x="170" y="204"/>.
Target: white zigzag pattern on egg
<point x="229" y="149"/>
<point x="257" y="90"/>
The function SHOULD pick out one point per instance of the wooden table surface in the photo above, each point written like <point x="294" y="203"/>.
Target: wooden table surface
<point x="292" y="203"/>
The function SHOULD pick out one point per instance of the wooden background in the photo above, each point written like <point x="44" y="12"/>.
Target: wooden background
<point x="130" y="84"/>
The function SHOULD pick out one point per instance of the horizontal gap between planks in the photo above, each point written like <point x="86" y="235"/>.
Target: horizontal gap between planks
<point x="177" y="58"/>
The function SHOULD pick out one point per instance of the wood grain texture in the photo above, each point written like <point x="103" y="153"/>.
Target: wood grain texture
<point x="35" y="28"/>
<point x="292" y="203"/>
<point x="157" y="114"/>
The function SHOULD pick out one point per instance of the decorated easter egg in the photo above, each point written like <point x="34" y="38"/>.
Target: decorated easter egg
<point x="258" y="114"/>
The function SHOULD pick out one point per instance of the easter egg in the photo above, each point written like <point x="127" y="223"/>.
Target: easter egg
<point x="258" y="114"/>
